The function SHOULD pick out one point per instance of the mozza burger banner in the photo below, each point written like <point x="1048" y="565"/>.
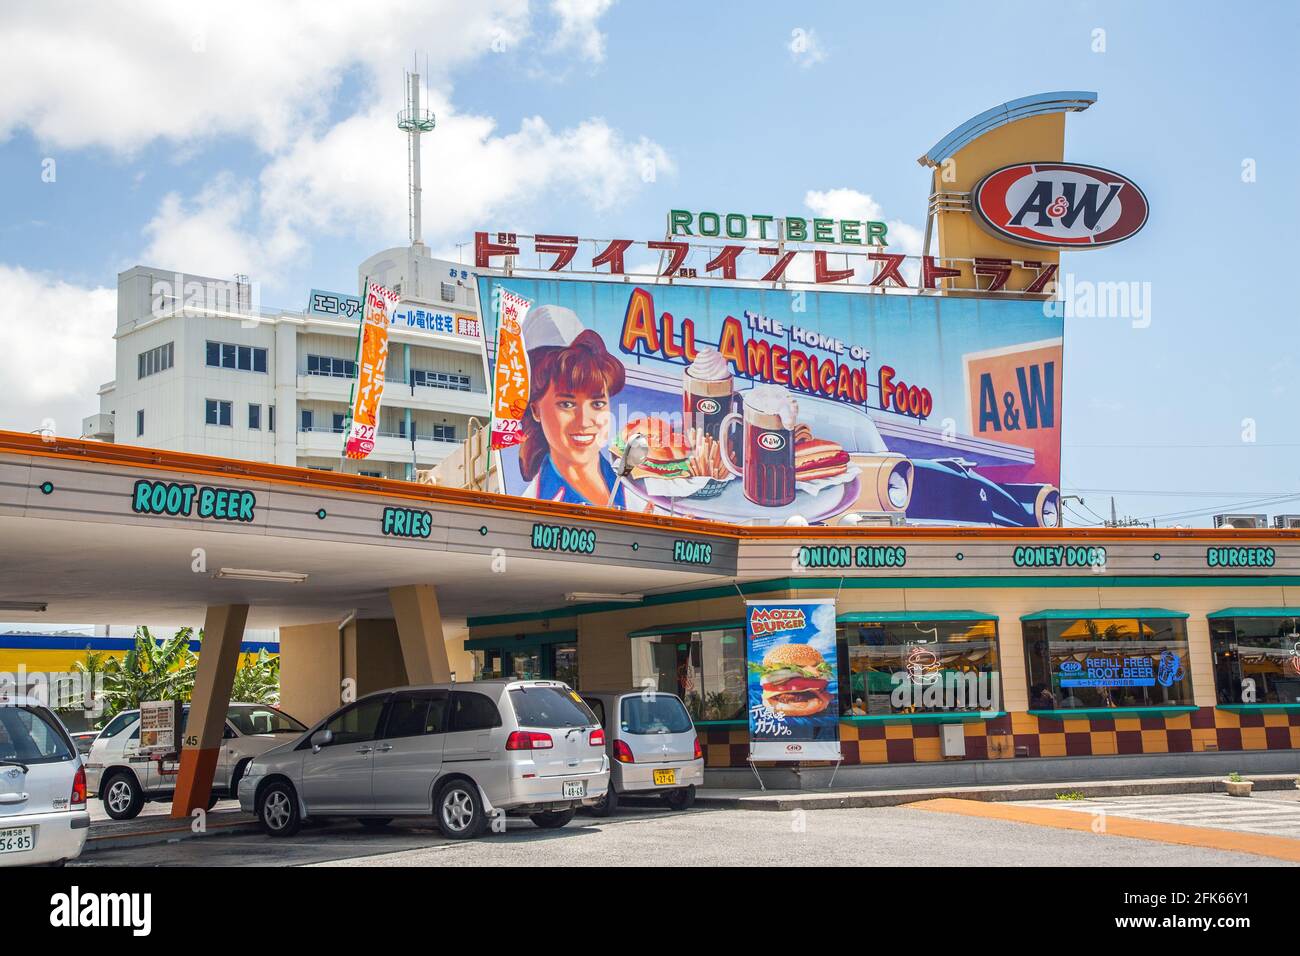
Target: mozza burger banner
<point x="792" y="687"/>
<point x="775" y="405"/>
<point x="372" y="357"/>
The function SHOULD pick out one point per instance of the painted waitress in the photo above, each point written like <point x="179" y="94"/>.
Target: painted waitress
<point x="567" y="425"/>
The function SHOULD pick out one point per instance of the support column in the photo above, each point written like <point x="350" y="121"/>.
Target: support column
<point x="419" y="629"/>
<point x="223" y="632"/>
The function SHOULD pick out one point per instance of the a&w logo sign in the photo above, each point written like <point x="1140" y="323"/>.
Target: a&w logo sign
<point x="1063" y="205"/>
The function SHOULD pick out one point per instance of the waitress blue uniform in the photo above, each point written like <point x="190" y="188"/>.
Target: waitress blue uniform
<point x="549" y="486"/>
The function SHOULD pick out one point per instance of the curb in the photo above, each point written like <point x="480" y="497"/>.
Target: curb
<point x="106" y="839"/>
<point x="849" y="800"/>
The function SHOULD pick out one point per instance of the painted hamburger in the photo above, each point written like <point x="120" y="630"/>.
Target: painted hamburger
<point x="794" y="679"/>
<point x="669" y="457"/>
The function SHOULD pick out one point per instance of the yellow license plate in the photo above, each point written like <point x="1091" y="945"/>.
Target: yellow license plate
<point x="665" y="778"/>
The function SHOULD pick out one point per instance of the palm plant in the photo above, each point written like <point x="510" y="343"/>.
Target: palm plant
<point x="93" y="669"/>
<point x="257" y="681"/>
<point x="161" y="669"/>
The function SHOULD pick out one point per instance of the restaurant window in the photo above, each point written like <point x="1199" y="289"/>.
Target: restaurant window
<point x="551" y="661"/>
<point x="705" y="668"/>
<point x="1107" y="662"/>
<point x="918" y="667"/>
<point x="1256" y="659"/>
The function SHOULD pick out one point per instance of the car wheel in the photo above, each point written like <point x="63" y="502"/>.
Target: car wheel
<point x="375" y="823"/>
<point x="277" y="810"/>
<point x="680" y="799"/>
<point x="552" y="819"/>
<point x="122" y="796"/>
<point x="608" y="805"/>
<point x="459" y="810"/>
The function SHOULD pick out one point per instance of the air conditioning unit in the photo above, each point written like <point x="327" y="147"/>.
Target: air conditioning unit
<point x="1241" y="521"/>
<point x="1286" y="521"/>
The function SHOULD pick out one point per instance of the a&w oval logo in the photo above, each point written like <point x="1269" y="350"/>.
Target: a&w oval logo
<point x="771" y="441"/>
<point x="1062" y="205"/>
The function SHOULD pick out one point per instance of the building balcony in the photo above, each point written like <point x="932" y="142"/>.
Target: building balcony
<point x="323" y="441"/>
<point x="433" y="398"/>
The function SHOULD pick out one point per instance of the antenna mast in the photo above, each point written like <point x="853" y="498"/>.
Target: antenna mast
<point x="413" y="121"/>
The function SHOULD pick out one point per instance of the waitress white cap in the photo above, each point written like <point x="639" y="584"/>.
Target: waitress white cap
<point x="551" y="325"/>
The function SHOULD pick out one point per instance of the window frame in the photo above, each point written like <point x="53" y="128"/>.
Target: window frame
<point x="927" y="625"/>
<point x="1034" y="678"/>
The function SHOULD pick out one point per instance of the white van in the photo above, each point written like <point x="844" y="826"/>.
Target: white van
<point x="43" y="815"/>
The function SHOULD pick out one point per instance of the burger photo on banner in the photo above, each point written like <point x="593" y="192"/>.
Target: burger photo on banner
<point x="758" y="408"/>
<point x="792" y="685"/>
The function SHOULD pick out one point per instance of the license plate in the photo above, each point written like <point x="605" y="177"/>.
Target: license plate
<point x="665" y="778"/>
<point x="575" y="788"/>
<point x="17" y="840"/>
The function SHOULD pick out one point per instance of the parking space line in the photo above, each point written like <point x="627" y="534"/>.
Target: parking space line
<point x="1280" y="848"/>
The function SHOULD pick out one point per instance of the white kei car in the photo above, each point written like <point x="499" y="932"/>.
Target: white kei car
<point x="43" y="815"/>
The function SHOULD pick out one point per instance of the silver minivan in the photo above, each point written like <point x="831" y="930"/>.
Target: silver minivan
<point x="652" y="745"/>
<point x="468" y="754"/>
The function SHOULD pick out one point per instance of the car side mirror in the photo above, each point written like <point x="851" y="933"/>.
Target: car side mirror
<point x="322" y="738"/>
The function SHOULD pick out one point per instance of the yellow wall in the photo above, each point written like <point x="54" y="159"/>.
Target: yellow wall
<point x="961" y="235"/>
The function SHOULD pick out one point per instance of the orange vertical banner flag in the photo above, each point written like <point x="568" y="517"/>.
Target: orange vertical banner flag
<point x="372" y="357"/>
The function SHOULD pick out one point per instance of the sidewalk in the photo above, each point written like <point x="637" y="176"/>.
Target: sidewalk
<point x="843" y="799"/>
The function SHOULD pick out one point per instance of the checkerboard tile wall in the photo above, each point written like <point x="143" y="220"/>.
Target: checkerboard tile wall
<point x="1004" y="737"/>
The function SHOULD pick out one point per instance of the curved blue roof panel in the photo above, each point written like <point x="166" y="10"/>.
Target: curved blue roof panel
<point x="1062" y="101"/>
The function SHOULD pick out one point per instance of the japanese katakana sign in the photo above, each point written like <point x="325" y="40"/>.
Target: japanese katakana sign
<point x="372" y="356"/>
<point x="510" y="384"/>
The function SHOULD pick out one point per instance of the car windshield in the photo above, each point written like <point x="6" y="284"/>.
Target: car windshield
<point x="263" y="720"/>
<point x="31" y="735"/>
<point x="653" y="714"/>
<point x="550" y="707"/>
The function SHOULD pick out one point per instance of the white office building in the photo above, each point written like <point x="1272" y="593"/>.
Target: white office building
<point x="202" y="368"/>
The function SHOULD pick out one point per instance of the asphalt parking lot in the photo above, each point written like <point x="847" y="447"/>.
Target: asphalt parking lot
<point x="652" y="836"/>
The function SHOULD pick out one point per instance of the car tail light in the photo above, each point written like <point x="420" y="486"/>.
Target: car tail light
<point x="597" y="738"/>
<point x="529" y="740"/>
<point x="79" y="788"/>
<point x="622" y="752"/>
<point x="698" y="752"/>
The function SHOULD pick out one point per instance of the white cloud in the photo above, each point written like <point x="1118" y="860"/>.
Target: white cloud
<point x="805" y="49"/>
<point x="352" y="178"/>
<point x="134" y="73"/>
<point x="122" y="74"/>
<point x="205" y="235"/>
<point x="845" y="203"/>
<point x="850" y="204"/>
<point x="578" y="28"/>
<point x="55" y="349"/>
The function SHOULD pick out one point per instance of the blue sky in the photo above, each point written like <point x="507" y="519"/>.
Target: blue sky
<point x="263" y="142"/>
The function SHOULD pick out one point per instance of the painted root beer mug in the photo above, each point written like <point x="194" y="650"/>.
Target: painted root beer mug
<point x="767" y="465"/>
<point x="709" y="395"/>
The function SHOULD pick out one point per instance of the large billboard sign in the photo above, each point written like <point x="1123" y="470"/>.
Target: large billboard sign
<point x="770" y="405"/>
